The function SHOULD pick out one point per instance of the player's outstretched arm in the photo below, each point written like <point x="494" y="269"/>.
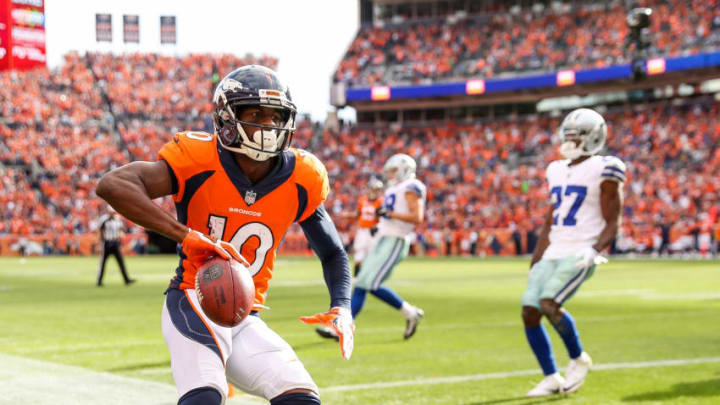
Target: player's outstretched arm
<point x="610" y="205"/>
<point x="130" y="190"/>
<point x="543" y="239"/>
<point x="322" y="235"/>
<point x="320" y="232"/>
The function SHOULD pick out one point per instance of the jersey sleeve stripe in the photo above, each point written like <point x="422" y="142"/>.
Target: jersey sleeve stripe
<point x="614" y="177"/>
<point x="615" y="169"/>
<point x="612" y="173"/>
<point x="615" y="172"/>
<point x="302" y="201"/>
<point x="415" y="189"/>
<point x="173" y="177"/>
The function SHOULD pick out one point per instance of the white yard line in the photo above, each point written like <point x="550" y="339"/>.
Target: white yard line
<point x="514" y="324"/>
<point x="27" y="381"/>
<point x="509" y="374"/>
<point x="43" y="383"/>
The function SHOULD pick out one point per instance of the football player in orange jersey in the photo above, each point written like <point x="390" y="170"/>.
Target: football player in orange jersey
<point x="237" y="190"/>
<point x="367" y="221"/>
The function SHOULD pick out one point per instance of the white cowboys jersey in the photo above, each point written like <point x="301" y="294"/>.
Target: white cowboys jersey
<point x="575" y="193"/>
<point x="395" y="202"/>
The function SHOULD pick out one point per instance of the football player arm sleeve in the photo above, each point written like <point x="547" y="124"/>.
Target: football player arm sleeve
<point x="416" y="209"/>
<point x="543" y="238"/>
<point x="130" y="190"/>
<point x="610" y="205"/>
<point x="324" y="240"/>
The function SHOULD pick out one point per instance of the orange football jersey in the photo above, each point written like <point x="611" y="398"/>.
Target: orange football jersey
<point x="216" y="198"/>
<point x="366" y="211"/>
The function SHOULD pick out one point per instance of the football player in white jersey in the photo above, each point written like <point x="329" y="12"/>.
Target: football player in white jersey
<point x="403" y="208"/>
<point x="586" y="193"/>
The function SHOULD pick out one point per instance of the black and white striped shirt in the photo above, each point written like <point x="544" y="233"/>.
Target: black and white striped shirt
<point x="110" y="229"/>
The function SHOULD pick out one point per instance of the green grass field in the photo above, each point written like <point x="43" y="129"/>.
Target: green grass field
<point x="633" y="316"/>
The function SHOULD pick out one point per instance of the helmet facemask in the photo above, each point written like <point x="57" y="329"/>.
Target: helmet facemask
<point x="572" y="146"/>
<point x="264" y="142"/>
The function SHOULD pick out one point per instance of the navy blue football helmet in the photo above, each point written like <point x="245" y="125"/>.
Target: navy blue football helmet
<point x="256" y="86"/>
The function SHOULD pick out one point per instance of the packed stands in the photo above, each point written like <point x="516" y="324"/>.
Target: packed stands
<point x="61" y="131"/>
<point x="490" y="175"/>
<point x="513" y="41"/>
<point x="64" y="129"/>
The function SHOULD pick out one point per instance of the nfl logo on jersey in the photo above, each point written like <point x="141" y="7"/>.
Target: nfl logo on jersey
<point x="250" y="197"/>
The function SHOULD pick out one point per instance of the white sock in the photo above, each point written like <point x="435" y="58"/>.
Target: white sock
<point x="408" y="310"/>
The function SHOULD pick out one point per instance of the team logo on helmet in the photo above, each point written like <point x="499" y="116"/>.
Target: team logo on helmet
<point x="231" y="85"/>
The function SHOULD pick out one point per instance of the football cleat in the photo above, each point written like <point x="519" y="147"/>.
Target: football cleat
<point x="576" y="372"/>
<point x="412" y="323"/>
<point x="327" y="333"/>
<point x="550" y="385"/>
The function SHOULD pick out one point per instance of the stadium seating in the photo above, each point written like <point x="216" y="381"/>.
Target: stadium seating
<point x="60" y="131"/>
<point x="518" y="41"/>
<point x="485" y="181"/>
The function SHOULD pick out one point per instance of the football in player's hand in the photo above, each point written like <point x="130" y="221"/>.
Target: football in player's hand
<point x="225" y="290"/>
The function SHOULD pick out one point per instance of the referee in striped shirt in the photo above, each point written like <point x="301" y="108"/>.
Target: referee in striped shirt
<point x="110" y="233"/>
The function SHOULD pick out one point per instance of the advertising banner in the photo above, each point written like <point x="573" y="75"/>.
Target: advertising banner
<point x="5" y="46"/>
<point x="167" y="30"/>
<point x="22" y="34"/>
<point x="131" y="29"/>
<point x="103" y="27"/>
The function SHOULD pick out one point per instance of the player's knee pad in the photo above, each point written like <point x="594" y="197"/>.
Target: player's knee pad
<point x="201" y="396"/>
<point x="296" y="398"/>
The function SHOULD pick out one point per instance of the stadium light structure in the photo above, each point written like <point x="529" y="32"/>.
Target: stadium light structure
<point x="638" y="21"/>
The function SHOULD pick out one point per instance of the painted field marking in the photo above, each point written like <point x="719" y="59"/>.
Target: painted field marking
<point x="29" y="381"/>
<point x="509" y="374"/>
<point x="513" y="324"/>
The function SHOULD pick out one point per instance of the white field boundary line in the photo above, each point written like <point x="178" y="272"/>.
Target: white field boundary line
<point x="30" y="381"/>
<point x="517" y="373"/>
<point x="514" y="324"/>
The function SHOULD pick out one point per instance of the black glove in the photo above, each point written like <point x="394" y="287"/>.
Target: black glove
<point x="382" y="212"/>
<point x="373" y="231"/>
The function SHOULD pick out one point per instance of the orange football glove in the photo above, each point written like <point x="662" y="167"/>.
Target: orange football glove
<point x="199" y="248"/>
<point x="340" y="320"/>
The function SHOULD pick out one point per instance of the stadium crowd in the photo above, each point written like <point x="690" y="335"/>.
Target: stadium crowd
<point x="517" y="41"/>
<point x="60" y="131"/>
<point x="490" y="175"/>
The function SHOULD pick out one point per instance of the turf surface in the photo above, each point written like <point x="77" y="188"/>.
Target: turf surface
<point x="630" y="312"/>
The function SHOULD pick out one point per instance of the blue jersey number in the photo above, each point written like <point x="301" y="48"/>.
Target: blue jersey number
<point x="580" y="193"/>
<point x="390" y="202"/>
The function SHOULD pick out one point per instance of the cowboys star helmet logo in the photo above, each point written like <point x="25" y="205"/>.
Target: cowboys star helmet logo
<point x="250" y="197"/>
